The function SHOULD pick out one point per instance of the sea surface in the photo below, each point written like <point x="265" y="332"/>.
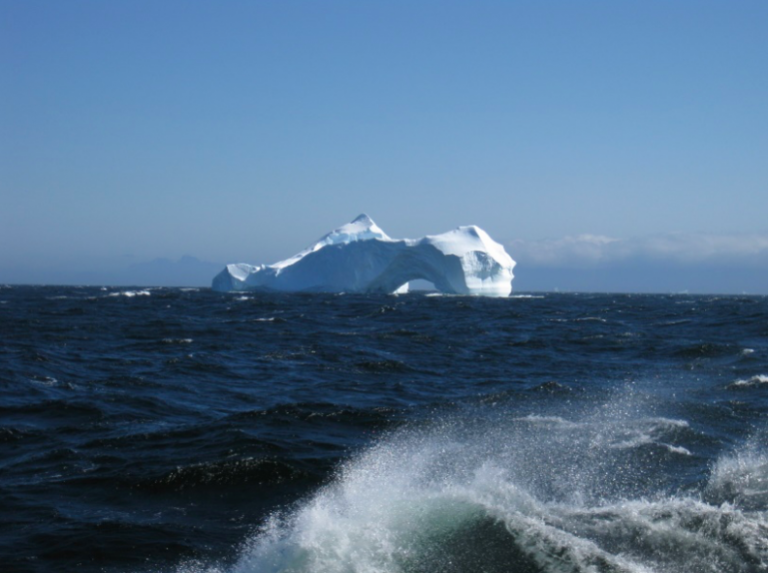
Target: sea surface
<point x="187" y="431"/>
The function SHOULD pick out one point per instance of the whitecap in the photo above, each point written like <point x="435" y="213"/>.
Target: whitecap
<point x="756" y="380"/>
<point x="675" y="322"/>
<point x="44" y="380"/>
<point x="131" y="293"/>
<point x="678" y="449"/>
<point x="645" y="431"/>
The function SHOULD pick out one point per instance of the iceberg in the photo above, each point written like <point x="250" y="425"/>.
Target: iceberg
<point x="360" y="258"/>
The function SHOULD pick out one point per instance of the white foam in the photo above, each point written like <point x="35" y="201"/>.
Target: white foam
<point x="131" y="293"/>
<point x="678" y="449"/>
<point x="45" y="380"/>
<point x="756" y="380"/>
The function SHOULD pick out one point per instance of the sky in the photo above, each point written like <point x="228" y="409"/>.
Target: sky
<point x="581" y="135"/>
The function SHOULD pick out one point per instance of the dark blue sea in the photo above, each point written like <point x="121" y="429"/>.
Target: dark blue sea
<point x="187" y="431"/>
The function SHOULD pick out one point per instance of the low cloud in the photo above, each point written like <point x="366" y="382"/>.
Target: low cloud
<point x="695" y="263"/>
<point x="589" y="251"/>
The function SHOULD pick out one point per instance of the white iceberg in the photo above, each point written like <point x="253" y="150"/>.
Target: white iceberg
<point x="360" y="258"/>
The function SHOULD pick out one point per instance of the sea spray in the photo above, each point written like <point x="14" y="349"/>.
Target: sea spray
<point x="517" y="494"/>
<point x="741" y="477"/>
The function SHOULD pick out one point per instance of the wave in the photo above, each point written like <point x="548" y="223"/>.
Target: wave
<point x="757" y="380"/>
<point x="177" y="341"/>
<point x="131" y="293"/>
<point x="224" y="474"/>
<point x="741" y="478"/>
<point x="534" y="494"/>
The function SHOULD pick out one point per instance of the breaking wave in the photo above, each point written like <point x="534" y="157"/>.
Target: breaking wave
<point x="532" y="494"/>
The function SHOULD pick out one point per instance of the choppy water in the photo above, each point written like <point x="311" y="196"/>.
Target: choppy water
<point x="180" y="430"/>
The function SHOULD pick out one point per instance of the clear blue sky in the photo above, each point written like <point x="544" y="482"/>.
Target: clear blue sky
<point x="242" y="131"/>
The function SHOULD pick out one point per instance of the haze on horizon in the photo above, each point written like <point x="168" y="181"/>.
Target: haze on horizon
<point x="608" y="145"/>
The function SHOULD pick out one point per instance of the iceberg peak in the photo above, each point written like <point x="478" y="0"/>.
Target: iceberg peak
<point x="361" y="228"/>
<point x="363" y="219"/>
<point x="360" y="257"/>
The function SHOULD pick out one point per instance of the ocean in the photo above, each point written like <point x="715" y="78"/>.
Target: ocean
<point x="187" y="431"/>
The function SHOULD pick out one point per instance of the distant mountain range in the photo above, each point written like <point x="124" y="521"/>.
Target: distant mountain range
<point x="187" y="271"/>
